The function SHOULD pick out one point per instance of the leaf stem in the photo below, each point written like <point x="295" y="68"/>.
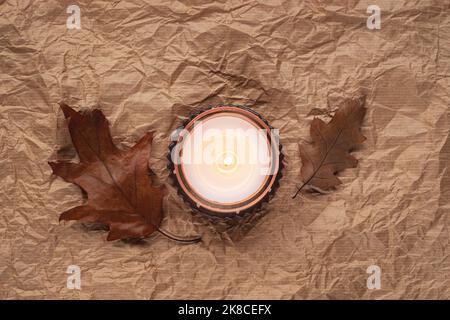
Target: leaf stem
<point x="298" y="191"/>
<point x="178" y="239"/>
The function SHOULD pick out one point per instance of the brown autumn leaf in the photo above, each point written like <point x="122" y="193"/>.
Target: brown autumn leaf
<point x="331" y="145"/>
<point x="117" y="182"/>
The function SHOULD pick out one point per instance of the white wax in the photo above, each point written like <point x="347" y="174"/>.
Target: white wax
<point x="226" y="158"/>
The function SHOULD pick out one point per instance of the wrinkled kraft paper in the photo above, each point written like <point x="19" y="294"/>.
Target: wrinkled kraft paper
<point x="149" y="64"/>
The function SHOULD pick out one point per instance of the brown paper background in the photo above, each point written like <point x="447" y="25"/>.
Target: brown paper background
<point x="148" y="64"/>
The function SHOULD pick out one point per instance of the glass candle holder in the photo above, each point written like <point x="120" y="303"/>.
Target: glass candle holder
<point x="226" y="161"/>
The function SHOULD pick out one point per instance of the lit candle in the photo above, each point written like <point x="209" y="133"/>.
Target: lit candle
<point x="225" y="160"/>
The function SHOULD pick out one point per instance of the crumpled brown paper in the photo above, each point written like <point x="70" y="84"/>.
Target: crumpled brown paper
<point x="148" y="64"/>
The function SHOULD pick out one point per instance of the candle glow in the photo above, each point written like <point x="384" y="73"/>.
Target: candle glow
<point x="224" y="159"/>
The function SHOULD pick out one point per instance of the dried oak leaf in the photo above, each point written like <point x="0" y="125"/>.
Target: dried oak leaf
<point x="331" y="145"/>
<point x="117" y="182"/>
